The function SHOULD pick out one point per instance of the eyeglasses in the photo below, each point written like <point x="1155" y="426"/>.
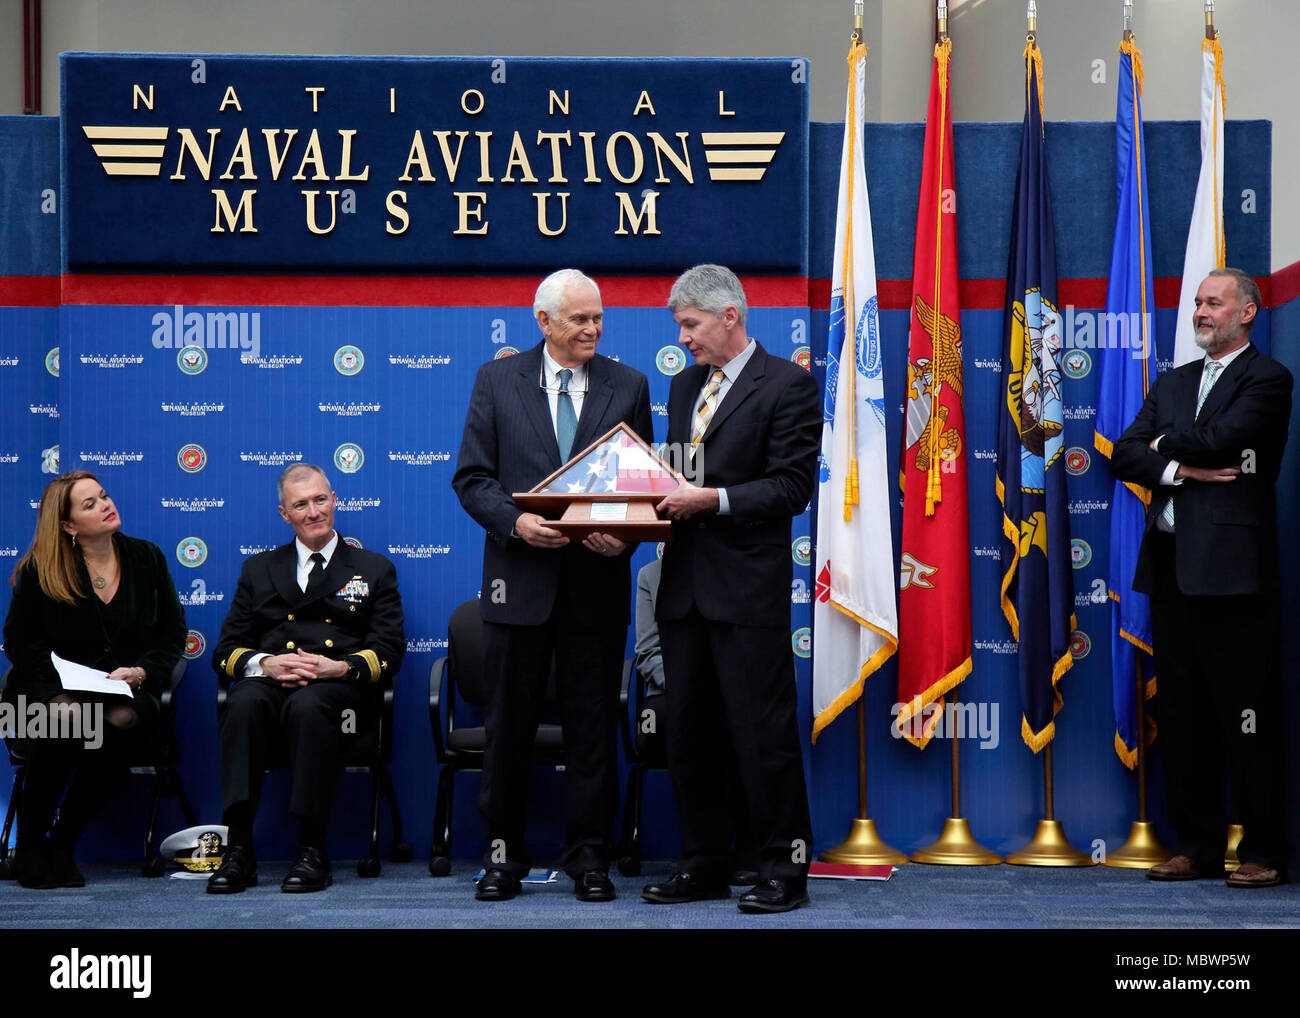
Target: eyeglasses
<point x="555" y="390"/>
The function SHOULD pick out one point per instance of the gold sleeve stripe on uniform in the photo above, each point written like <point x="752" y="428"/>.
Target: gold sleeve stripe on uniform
<point x="372" y="662"/>
<point x="232" y="662"/>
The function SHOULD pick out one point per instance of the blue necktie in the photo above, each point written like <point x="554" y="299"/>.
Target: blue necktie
<point x="566" y="421"/>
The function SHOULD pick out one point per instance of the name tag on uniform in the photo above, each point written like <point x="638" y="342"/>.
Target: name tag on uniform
<point x="354" y="590"/>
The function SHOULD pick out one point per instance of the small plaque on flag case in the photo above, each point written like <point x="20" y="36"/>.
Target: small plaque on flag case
<point x="611" y="487"/>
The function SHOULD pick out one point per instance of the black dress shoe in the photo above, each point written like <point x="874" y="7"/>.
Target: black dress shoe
<point x="774" y="895"/>
<point x="743" y="878"/>
<point x="681" y="888"/>
<point x="32" y="867"/>
<point x="497" y="885"/>
<point x="237" y="871"/>
<point x="594" y="885"/>
<point x="64" y="868"/>
<point x="310" y="872"/>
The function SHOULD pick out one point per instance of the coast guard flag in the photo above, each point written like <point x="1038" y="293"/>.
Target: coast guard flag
<point x="934" y="621"/>
<point x="1127" y="370"/>
<point x="1205" y="244"/>
<point x="854" y="617"/>
<point x="1037" y="589"/>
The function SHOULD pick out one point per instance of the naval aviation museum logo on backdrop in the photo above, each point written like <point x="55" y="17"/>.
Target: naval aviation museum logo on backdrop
<point x="432" y="161"/>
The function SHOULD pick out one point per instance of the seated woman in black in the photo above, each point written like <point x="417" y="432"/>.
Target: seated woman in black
<point x="94" y="596"/>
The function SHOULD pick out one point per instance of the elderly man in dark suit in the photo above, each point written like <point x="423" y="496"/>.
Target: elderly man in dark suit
<point x="1208" y="442"/>
<point x="543" y="596"/>
<point x="750" y="422"/>
<point x="313" y="625"/>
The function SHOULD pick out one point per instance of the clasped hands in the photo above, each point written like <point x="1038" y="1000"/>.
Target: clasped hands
<point x="299" y="668"/>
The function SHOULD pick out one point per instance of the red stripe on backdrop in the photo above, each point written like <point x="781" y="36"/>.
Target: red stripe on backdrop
<point x="991" y="294"/>
<point x="29" y="291"/>
<point x="390" y="291"/>
<point x="1286" y="285"/>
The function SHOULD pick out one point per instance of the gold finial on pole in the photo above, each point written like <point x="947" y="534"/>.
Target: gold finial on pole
<point x="1128" y="20"/>
<point x="1210" y="31"/>
<point x="941" y="14"/>
<point x="857" y="20"/>
<point x="1031" y="15"/>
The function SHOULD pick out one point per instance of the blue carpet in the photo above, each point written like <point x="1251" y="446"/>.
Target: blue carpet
<point x="406" y="897"/>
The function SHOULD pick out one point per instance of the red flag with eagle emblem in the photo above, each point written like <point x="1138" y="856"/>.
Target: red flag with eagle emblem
<point x="934" y="617"/>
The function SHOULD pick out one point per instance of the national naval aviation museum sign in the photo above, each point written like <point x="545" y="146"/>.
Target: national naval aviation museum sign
<point x="447" y="164"/>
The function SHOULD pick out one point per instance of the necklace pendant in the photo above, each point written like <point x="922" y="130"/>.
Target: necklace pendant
<point x="99" y="582"/>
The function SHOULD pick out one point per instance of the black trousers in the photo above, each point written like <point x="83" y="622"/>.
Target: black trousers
<point x="263" y="721"/>
<point x="517" y="661"/>
<point x="1218" y="675"/>
<point x="731" y="691"/>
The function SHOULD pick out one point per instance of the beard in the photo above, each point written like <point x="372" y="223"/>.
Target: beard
<point x="1215" y="339"/>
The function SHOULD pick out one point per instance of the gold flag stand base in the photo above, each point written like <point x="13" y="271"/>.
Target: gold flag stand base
<point x="1230" y="861"/>
<point x="863" y="847"/>
<point x="1050" y="848"/>
<point x="1142" y="850"/>
<point x="956" y="847"/>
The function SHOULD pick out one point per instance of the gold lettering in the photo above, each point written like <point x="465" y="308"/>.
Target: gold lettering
<point x="662" y="148"/>
<point x="722" y="105"/>
<point x="447" y="160"/>
<point x="557" y="177"/>
<point x="590" y="153"/>
<point x="230" y="99"/>
<point x="518" y="158"/>
<point x="556" y="102"/>
<point x="277" y="158"/>
<point x="464" y="103"/>
<point x="311" y="211"/>
<point x="189" y="144"/>
<point x="484" y="177"/>
<point x="392" y="100"/>
<point x="417" y="157"/>
<point x="647" y="212"/>
<point x="644" y="103"/>
<point x="315" y="91"/>
<point x="313" y="156"/>
<point x="398" y="211"/>
<point x="243" y="155"/>
<point x="611" y="157"/>
<point x="138" y="96"/>
<point x="542" y="228"/>
<point x="466" y="211"/>
<point x="345" y="160"/>
<point x="244" y="209"/>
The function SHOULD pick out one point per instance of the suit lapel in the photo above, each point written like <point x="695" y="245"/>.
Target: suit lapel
<point x="681" y="410"/>
<point x="537" y="407"/>
<point x="750" y="376"/>
<point x="1226" y="383"/>
<point x="600" y="390"/>
<point x="284" y="573"/>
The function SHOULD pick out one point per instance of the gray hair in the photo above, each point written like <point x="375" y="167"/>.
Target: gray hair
<point x="711" y="288"/>
<point x="550" y="292"/>
<point x="1247" y="288"/>
<point x="294" y="471"/>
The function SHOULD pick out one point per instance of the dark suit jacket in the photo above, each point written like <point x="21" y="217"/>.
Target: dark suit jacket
<point x="1227" y="531"/>
<point x="761" y="446"/>
<point x="355" y="614"/>
<point x="151" y="635"/>
<point x="509" y="445"/>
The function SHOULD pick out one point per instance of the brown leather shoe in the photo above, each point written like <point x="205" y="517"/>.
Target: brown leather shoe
<point x="1180" y="867"/>
<point x="1252" y="874"/>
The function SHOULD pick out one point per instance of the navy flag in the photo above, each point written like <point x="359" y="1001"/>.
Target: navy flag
<point x="1037" y="587"/>
<point x="1127" y="365"/>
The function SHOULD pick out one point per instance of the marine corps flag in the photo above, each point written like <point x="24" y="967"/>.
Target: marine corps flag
<point x="855" y="621"/>
<point x="1127" y="369"/>
<point x="934" y="619"/>
<point x="1037" y="591"/>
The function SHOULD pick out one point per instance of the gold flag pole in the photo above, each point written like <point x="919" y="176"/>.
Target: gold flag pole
<point x="956" y="846"/>
<point x="863" y="846"/>
<point x="1050" y="847"/>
